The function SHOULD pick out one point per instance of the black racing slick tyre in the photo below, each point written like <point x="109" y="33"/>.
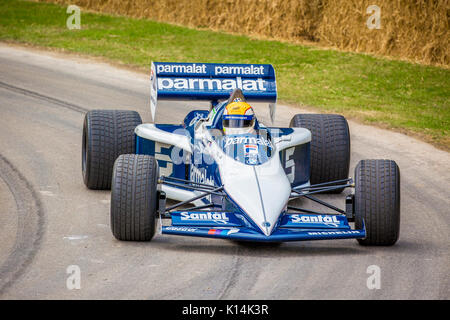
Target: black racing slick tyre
<point x="377" y="201"/>
<point x="134" y="197"/>
<point x="106" y="135"/>
<point x="330" y="146"/>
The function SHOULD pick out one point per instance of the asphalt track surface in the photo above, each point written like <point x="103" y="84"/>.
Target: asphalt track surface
<point x="49" y="220"/>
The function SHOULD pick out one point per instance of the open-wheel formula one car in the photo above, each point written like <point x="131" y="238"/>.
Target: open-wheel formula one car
<point x="239" y="174"/>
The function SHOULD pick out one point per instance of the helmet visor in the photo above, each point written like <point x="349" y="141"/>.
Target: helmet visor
<point x="237" y="121"/>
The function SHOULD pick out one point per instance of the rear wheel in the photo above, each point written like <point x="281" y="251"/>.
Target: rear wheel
<point x="106" y="135"/>
<point x="330" y="146"/>
<point x="134" y="197"/>
<point x="377" y="201"/>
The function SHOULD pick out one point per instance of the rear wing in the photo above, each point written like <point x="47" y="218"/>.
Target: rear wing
<point x="211" y="82"/>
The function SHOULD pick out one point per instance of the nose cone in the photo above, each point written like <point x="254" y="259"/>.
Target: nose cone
<point x="260" y="191"/>
<point x="274" y="189"/>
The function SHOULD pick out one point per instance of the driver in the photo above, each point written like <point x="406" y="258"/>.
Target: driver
<point x="238" y="118"/>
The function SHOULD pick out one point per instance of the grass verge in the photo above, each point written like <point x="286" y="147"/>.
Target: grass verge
<point x="403" y="96"/>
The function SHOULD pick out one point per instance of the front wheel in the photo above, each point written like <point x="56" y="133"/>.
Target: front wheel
<point x="134" y="197"/>
<point x="330" y="146"/>
<point x="377" y="201"/>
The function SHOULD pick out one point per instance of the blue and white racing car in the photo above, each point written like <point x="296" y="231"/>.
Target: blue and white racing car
<point x="231" y="176"/>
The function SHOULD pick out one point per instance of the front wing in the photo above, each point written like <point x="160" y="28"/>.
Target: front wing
<point x="289" y="229"/>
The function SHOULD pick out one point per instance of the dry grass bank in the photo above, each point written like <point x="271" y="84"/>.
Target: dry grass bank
<point x="416" y="30"/>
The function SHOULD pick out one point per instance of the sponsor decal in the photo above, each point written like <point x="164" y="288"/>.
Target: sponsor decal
<point x="324" y="233"/>
<point x="211" y="84"/>
<point x="222" y="232"/>
<point x="152" y="74"/>
<point x="220" y="217"/>
<point x="182" y="68"/>
<point x="248" y="140"/>
<point x="202" y="68"/>
<point x="249" y="70"/>
<point x="331" y="221"/>
<point x="251" y="153"/>
<point x="217" y="231"/>
<point x="251" y="160"/>
<point x="238" y="117"/>
<point x="183" y="229"/>
<point x="250" y="149"/>
<point x="232" y="231"/>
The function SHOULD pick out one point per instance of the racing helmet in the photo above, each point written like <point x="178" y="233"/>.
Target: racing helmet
<point x="238" y="117"/>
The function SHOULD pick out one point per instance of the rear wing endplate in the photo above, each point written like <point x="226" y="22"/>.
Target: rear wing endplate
<point x="212" y="82"/>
